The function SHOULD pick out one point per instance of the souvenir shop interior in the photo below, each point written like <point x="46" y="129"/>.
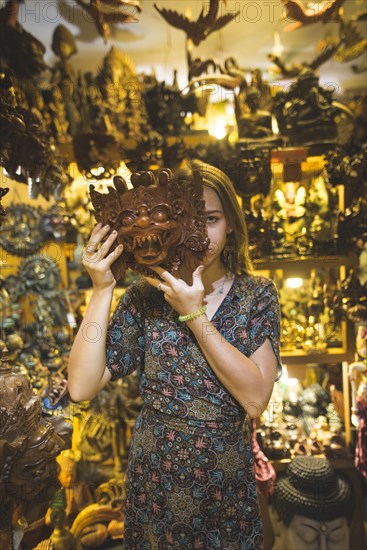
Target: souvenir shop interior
<point x="275" y="95"/>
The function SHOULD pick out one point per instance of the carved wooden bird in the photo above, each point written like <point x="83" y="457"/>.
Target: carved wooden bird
<point x="294" y="69"/>
<point x="104" y="12"/>
<point x="324" y="11"/>
<point x="198" y="30"/>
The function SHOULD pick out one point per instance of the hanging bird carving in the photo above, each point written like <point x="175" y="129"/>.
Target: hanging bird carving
<point x="322" y="12"/>
<point x="104" y="12"/>
<point x="198" y="30"/>
<point x="352" y="43"/>
<point x="294" y="69"/>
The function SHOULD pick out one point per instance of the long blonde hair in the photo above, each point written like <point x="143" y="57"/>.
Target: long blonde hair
<point x="235" y="255"/>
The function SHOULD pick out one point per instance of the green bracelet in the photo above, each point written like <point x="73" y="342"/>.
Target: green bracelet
<point x="193" y="315"/>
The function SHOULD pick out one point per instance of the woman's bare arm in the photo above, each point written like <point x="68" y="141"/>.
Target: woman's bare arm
<point x="87" y="372"/>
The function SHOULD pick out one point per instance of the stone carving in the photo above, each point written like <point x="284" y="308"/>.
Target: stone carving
<point x="311" y="505"/>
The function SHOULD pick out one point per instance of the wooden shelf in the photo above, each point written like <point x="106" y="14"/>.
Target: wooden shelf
<point x="305" y="263"/>
<point x="332" y="355"/>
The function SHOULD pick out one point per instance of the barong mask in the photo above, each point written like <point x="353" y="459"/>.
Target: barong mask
<point x="160" y="221"/>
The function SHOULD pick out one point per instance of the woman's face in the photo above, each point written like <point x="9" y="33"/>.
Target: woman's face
<point x="217" y="226"/>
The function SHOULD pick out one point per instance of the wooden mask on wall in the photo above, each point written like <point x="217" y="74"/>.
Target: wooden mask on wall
<point x="160" y="221"/>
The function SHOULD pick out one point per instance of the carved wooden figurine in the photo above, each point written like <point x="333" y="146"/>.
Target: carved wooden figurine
<point x="28" y="448"/>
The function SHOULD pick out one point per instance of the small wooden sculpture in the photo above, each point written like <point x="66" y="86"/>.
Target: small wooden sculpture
<point x="28" y="448"/>
<point x="198" y="30"/>
<point x="306" y="114"/>
<point x="61" y="538"/>
<point x="98" y="523"/>
<point x="158" y="222"/>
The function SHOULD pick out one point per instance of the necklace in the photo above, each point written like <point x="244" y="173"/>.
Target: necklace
<point x="220" y="288"/>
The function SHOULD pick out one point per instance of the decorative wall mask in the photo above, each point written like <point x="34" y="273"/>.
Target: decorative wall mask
<point x="20" y="233"/>
<point x="159" y="222"/>
<point x="98" y="155"/>
<point x="253" y="172"/>
<point x="167" y="106"/>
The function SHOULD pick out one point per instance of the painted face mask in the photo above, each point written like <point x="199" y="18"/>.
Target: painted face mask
<point x="160" y="221"/>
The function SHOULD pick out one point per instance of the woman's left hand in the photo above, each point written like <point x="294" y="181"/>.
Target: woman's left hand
<point x="182" y="297"/>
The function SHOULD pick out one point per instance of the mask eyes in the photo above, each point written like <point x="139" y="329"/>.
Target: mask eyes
<point x="127" y="220"/>
<point x="160" y="216"/>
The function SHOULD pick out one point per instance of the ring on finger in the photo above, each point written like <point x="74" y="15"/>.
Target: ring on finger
<point x="160" y="286"/>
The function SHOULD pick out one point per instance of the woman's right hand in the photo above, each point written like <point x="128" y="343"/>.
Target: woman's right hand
<point x="97" y="260"/>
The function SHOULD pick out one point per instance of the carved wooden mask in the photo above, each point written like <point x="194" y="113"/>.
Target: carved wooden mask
<point x="160" y="221"/>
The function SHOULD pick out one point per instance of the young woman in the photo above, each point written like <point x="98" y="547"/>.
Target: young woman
<point x="207" y="347"/>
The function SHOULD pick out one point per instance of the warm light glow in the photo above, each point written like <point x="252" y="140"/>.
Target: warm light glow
<point x="278" y="47"/>
<point x="294" y="282"/>
<point x="284" y="376"/>
<point x="274" y="125"/>
<point x="101" y="185"/>
<point x="292" y="382"/>
<point x="220" y="119"/>
<point x="97" y="171"/>
<point x="219" y="128"/>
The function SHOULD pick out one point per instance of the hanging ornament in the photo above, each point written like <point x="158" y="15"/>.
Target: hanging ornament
<point x="104" y="12"/>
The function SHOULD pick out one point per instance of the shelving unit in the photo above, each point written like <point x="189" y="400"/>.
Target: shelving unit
<point x="302" y="267"/>
<point x="342" y="349"/>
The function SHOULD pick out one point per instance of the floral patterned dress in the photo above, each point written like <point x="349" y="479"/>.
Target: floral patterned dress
<point x="190" y="476"/>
